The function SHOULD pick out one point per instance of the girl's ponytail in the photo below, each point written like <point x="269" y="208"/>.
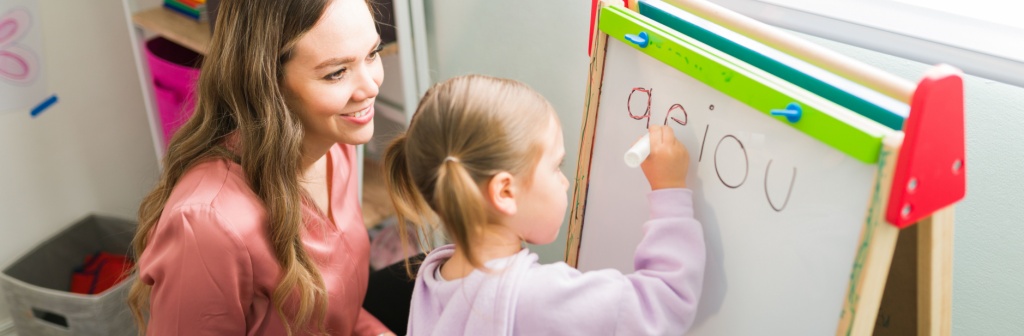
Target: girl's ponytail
<point x="409" y="203"/>
<point x="460" y="204"/>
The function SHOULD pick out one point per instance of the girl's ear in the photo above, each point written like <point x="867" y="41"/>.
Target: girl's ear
<point x="501" y="193"/>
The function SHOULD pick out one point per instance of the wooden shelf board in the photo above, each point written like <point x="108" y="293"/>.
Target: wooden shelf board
<point x="182" y="30"/>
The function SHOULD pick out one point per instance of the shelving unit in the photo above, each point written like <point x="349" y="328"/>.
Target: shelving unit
<point x="175" y="27"/>
<point x="196" y="35"/>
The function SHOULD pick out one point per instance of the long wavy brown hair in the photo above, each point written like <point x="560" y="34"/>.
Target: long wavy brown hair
<point x="239" y="92"/>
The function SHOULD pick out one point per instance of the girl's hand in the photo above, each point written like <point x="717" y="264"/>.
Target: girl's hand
<point x="669" y="161"/>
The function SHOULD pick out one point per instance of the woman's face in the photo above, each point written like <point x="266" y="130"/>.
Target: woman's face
<point x="334" y="75"/>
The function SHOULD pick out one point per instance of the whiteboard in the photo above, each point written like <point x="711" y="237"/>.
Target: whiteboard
<point x="782" y="212"/>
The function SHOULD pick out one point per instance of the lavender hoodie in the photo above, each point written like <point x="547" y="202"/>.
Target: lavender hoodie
<point x="522" y="297"/>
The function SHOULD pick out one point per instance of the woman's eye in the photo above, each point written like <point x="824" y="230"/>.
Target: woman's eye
<point x="376" y="52"/>
<point x="337" y="75"/>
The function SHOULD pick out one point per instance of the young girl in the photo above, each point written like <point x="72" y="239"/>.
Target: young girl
<point x="254" y="227"/>
<point x="482" y="156"/>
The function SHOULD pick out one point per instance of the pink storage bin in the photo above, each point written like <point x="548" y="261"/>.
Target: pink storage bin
<point x="174" y="70"/>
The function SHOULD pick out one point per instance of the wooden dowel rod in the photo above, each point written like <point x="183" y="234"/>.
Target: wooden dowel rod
<point x="827" y="59"/>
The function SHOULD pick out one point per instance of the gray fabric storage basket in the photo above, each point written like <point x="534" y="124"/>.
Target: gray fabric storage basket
<point x="37" y="284"/>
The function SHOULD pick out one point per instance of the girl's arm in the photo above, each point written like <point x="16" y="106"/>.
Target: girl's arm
<point x="660" y="298"/>
<point x="669" y="265"/>
<point x="200" y="274"/>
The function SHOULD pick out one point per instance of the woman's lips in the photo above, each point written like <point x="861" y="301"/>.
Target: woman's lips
<point x="360" y="118"/>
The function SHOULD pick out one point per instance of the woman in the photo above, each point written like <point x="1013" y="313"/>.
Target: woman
<point x="254" y="227"/>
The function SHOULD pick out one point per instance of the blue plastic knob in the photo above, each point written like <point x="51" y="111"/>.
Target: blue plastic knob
<point x="793" y="112"/>
<point x="640" y="40"/>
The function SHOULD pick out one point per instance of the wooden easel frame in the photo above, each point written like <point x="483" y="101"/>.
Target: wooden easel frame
<point x="912" y="298"/>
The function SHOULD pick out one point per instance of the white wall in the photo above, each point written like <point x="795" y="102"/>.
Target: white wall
<point x="89" y="153"/>
<point x="543" y="43"/>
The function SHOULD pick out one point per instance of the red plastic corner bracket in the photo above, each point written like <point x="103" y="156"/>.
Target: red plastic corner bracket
<point x="931" y="168"/>
<point x="593" y="18"/>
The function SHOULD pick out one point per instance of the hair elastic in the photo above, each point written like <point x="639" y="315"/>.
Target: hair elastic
<point x="452" y="159"/>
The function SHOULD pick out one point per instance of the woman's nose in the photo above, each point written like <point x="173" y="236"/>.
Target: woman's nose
<point x="368" y="83"/>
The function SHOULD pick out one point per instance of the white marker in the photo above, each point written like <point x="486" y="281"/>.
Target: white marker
<point x="639" y="152"/>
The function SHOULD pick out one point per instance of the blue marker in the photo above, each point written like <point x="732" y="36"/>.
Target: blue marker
<point x="43" y="106"/>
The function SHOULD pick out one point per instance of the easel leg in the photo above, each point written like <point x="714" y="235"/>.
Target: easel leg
<point x="918" y="291"/>
<point x="897" y="314"/>
<point x="935" y="267"/>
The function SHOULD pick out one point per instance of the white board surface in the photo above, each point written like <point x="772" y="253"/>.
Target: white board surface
<point x="781" y="211"/>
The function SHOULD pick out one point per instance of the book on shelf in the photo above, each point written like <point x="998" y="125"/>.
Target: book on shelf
<point x="193" y="9"/>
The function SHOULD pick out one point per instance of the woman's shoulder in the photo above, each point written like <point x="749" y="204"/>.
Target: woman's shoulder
<point x="212" y="182"/>
<point x="219" y="188"/>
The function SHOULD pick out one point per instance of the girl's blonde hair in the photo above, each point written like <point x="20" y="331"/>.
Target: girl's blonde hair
<point x="465" y="130"/>
<point x="239" y="91"/>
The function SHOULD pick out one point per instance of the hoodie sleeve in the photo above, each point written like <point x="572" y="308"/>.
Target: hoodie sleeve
<point x="659" y="298"/>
